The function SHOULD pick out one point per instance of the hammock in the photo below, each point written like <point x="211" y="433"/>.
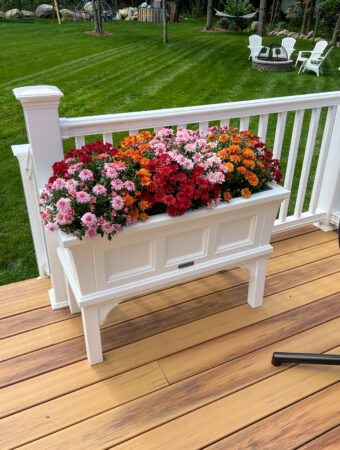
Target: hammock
<point x="246" y="16"/>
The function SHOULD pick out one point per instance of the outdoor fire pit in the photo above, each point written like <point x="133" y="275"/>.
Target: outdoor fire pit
<point x="273" y="58"/>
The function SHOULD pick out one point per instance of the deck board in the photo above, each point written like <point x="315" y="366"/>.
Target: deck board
<point x="187" y="367"/>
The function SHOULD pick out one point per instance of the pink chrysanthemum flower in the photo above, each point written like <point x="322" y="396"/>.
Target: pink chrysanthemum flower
<point x="63" y="204"/>
<point x="99" y="189"/>
<point x="117" y="184"/>
<point x="82" y="197"/>
<point x="117" y="228"/>
<point x="111" y="173"/>
<point x="51" y="226"/>
<point x="120" y="166"/>
<point x="129" y="185"/>
<point x="117" y="203"/>
<point x="107" y="227"/>
<point x="59" y="183"/>
<point x="89" y="220"/>
<point x="85" y="174"/>
<point x="91" y="233"/>
<point x="71" y="184"/>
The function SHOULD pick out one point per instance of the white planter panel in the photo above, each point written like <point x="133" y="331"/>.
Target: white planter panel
<point x="166" y="251"/>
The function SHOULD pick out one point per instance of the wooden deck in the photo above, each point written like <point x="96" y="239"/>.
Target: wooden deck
<point x="185" y="368"/>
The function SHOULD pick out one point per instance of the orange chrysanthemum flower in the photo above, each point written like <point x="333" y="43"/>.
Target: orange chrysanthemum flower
<point x="143" y="205"/>
<point x="260" y="164"/>
<point x="236" y="141"/>
<point x="242" y="170"/>
<point x="249" y="154"/>
<point x="223" y="154"/>
<point x="143" y="173"/>
<point x="235" y="158"/>
<point x="144" y="147"/>
<point x="246" y="193"/>
<point x="229" y="166"/>
<point x="251" y="143"/>
<point x="134" y="213"/>
<point x="211" y="137"/>
<point x="129" y="141"/>
<point x="227" y="196"/>
<point x="145" y="181"/>
<point x="223" y="138"/>
<point x="252" y="178"/>
<point x="233" y="149"/>
<point x="143" y="216"/>
<point x="128" y="200"/>
<point x="249" y="163"/>
<point x="245" y="133"/>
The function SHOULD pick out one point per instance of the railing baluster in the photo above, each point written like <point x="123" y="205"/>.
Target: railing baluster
<point x="157" y="129"/>
<point x="279" y="134"/>
<point x="313" y="128"/>
<point x="107" y="138"/>
<point x="294" y="146"/>
<point x="263" y="124"/>
<point x="80" y="141"/>
<point x="203" y="126"/>
<point x="244" y="123"/>
<point x="224" y="123"/>
<point x="326" y="138"/>
<point x="133" y="132"/>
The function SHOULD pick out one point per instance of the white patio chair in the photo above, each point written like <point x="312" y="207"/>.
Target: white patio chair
<point x="288" y="44"/>
<point x="314" y="63"/>
<point x="316" y="52"/>
<point x="255" y="45"/>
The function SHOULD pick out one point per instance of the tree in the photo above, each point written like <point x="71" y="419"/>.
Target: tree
<point x="306" y="15"/>
<point x="336" y="31"/>
<point x="165" y="28"/>
<point x="96" y="17"/>
<point x="208" y="25"/>
<point x="262" y="17"/>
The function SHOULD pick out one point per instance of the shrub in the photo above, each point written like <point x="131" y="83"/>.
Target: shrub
<point x="236" y="8"/>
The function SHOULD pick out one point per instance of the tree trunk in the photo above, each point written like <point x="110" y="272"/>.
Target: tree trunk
<point x="165" y="27"/>
<point x="336" y="31"/>
<point x="305" y="17"/>
<point x="317" y="17"/>
<point x="262" y="17"/>
<point x="208" y="25"/>
<point x="96" y="17"/>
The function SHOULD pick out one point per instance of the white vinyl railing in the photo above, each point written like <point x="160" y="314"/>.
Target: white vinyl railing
<point x="273" y="117"/>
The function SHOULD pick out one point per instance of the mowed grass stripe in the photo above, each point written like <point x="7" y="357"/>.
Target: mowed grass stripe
<point x="159" y="71"/>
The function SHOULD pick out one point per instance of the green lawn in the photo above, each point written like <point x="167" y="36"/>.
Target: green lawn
<point x="130" y="70"/>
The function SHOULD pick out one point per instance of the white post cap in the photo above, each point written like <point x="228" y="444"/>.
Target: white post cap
<point x="37" y="94"/>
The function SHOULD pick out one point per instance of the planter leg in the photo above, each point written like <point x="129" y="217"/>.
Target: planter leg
<point x="73" y="305"/>
<point x="257" y="274"/>
<point x="93" y="342"/>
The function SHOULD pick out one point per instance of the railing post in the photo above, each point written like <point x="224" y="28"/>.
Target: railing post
<point x="40" y="104"/>
<point x="329" y="199"/>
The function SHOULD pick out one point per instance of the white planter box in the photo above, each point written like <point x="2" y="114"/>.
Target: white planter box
<point x="165" y="251"/>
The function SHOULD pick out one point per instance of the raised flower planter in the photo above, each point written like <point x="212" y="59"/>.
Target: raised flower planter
<point x="173" y="207"/>
<point x="165" y="251"/>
